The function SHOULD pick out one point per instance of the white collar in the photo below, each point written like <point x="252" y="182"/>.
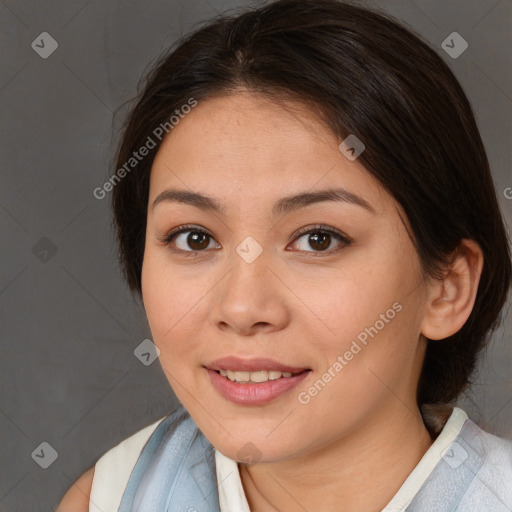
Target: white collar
<point x="232" y="497"/>
<point x="231" y="492"/>
<point x="402" y="499"/>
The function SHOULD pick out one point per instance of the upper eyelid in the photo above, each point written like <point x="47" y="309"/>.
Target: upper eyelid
<point x="179" y="230"/>
<point x="321" y="228"/>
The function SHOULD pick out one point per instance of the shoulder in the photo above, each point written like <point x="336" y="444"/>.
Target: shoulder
<point x="76" y="498"/>
<point x="113" y="469"/>
<point x="128" y="449"/>
<point x="495" y="451"/>
<point x="101" y="487"/>
<point x="493" y="480"/>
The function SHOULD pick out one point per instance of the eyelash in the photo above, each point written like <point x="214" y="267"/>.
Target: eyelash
<point x="319" y="228"/>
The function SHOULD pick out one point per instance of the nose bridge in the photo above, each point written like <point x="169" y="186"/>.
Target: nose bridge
<point x="249" y="275"/>
<point x="250" y="294"/>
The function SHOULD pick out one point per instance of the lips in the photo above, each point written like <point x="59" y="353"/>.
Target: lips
<point x="255" y="394"/>
<point x="252" y="365"/>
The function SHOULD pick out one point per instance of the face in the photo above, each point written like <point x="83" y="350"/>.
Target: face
<point x="332" y="287"/>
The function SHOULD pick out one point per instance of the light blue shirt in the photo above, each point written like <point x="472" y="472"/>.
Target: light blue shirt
<point x="176" y="471"/>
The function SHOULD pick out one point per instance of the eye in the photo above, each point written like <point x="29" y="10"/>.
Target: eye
<point x="320" y="237"/>
<point x="197" y="240"/>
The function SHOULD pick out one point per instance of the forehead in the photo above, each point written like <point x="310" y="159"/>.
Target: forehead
<point x="244" y="147"/>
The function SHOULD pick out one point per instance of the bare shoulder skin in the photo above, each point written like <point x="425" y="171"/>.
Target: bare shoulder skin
<point x="76" y="498"/>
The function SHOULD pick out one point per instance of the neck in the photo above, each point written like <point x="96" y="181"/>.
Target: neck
<point x="359" y="473"/>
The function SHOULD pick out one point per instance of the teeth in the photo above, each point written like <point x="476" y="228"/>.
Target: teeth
<point x="258" y="376"/>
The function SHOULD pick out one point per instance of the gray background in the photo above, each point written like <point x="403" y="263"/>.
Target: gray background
<point x="69" y="376"/>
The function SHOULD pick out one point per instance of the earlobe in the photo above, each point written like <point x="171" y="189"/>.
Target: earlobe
<point x="451" y="299"/>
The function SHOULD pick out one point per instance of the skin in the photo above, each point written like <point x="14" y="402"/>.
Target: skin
<point x="295" y="304"/>
<point x="291" y="304"/>
<point x="77" y="497"/>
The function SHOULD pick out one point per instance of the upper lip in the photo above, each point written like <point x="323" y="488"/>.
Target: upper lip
<point x="252" y="365"/>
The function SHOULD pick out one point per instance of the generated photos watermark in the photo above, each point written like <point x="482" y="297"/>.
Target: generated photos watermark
<point x="358" y="343"/>
<point x="137" y="156"/>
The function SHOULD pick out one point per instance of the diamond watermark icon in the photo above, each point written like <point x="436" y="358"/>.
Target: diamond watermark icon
<point x="44" y="249"/>
<point x="146" y="352"/>
<point x="351" y="147"/>
<point x="455" y="455"/>
<point x="249" y="454"/>
<point x="249" y="249"/>
<point x="454" y="45"/>
<point x="44" y="45"/>
<point x="45" y="455"/>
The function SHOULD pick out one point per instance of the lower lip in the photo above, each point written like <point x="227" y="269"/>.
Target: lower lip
<point x="254" y="393"/>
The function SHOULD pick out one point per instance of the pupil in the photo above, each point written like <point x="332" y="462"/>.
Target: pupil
<point x="321" y="239"/>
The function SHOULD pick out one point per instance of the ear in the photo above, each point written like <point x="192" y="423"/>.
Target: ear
<point x="451" y="300"/>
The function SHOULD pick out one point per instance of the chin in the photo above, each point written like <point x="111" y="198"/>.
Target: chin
<point x="254" y="446"/>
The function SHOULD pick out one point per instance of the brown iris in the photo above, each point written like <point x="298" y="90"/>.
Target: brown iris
<point x="197" y="240"/>
<point x="321" y="239"/>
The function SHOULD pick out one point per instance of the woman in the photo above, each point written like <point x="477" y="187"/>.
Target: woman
<point x="304" y="204"/>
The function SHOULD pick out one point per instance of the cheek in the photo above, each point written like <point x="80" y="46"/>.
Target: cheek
<point x="170" y="302"/>
<point x="370" y="315"/>
<point x="351" y="304"/>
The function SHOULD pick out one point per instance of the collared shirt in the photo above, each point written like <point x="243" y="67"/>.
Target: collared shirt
<point x="171" y="466"/>
<point x="232" y="497"/>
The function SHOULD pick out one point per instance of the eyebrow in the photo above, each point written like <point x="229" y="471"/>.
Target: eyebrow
<point x="283" y="206"/>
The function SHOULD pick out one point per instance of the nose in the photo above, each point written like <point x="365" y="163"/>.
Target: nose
<point x="251" y="298"/>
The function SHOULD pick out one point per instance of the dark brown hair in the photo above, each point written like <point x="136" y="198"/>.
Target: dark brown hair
<point x="367" y="75"/>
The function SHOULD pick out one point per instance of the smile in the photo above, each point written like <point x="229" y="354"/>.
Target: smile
<point x="256" y="376"/>
<point x="255" y="387"/>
